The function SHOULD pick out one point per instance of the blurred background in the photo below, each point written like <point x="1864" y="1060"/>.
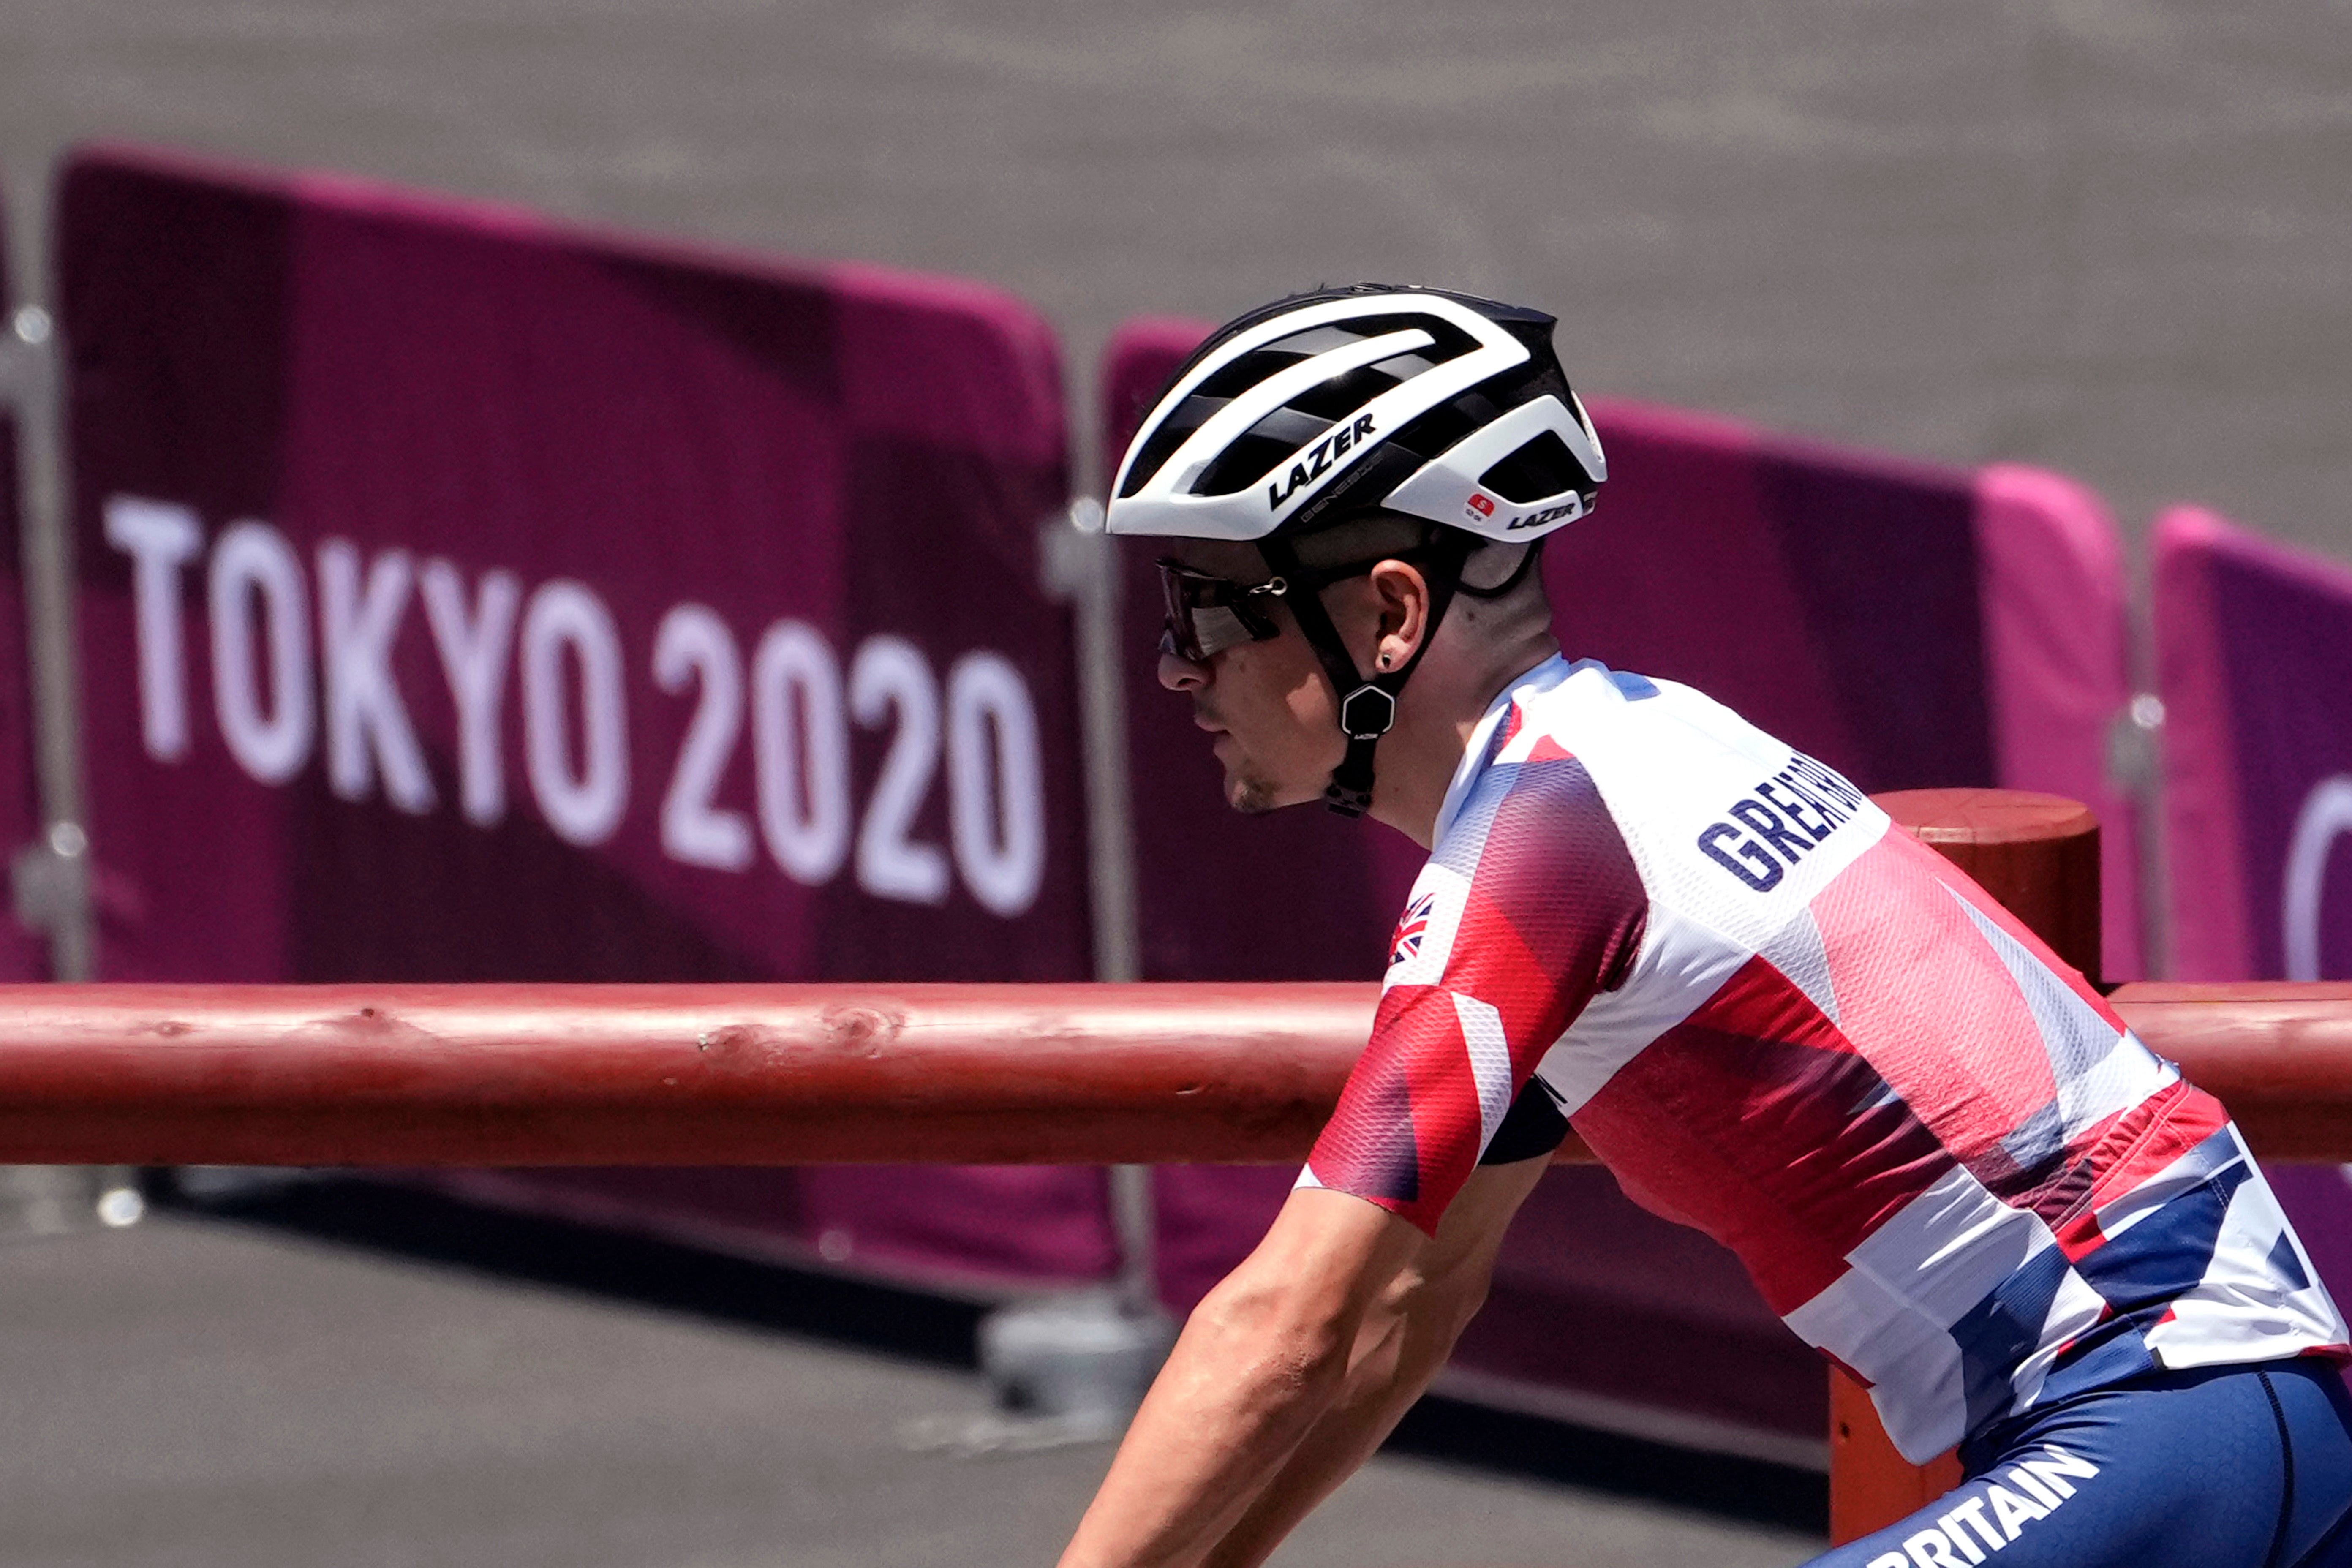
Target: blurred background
<point x="1931" y="310"/>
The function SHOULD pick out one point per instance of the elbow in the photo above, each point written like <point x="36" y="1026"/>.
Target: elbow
<point x="1435" y="1311"/>
<point x="1464" y="1301"/>
<point x="1291" y="1345"/>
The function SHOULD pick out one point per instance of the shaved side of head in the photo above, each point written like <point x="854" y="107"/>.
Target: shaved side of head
<point x="1481" y="611"/>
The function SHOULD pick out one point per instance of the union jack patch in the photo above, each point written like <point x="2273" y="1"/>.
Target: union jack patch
<point x="1410" y="929"/>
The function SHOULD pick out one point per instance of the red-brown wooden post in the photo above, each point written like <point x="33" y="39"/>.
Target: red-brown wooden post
<point x="2039" y="855"/>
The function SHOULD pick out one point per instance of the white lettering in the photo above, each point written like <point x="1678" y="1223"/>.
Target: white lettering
<point x="583" y="806"/>
<point x="996" y="792"/>
<point x="1888" y="1560"/>
<point x="803" y="791"/>
<point x="475" y="650"/>
<point x="890" y="676"/>
<point x="367" y="724"/>
<point x="2326" y="816"/>
<point x="1965" y="1524"/>
<point x="694" y="646"/>
<point x="1960" y="1537"/>
<point x="2034" y="1489"/>
<point x="274" y="702"/>
<point x="2010" y="1511"/>
<point x="1973" y="1512"/>
<point x="1929" y="1549"/>
<point x="160" y="539"/>
<point x="2053" y="1472"/>
<point x="271" y="739"/>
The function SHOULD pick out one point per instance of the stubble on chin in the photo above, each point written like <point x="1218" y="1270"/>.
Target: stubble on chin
<point x="1251" y="796"/>
<point x="1246" y="792"/>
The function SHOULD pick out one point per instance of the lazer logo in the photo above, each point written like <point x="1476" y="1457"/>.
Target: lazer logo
<point x="1571" y="508"/>
<point x="1992" y="1512"/>
<point x="1317" y="460"/>
<point x="1779" y="820"/>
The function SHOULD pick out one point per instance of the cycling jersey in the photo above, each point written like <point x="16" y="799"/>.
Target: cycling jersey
<point x="1943" y="1159"/>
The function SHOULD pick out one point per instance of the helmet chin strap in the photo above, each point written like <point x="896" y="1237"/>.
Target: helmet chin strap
<point x="1368" y="707"/>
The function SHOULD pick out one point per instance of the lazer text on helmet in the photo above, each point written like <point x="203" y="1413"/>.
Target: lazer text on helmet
<point x="1317" y="459"/>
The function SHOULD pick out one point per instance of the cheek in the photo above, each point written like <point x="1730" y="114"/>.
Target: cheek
<point x="1279" y="683"/>
<point x="1308" y="697"/>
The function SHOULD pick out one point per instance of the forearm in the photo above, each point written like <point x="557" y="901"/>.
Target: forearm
<point x="1233" y="1400"/>
<point x="1405" y="1338"/>
<point x="1390" y="1369"/>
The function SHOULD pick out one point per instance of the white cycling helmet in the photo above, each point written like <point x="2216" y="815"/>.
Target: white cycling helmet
<point x="1328" y="406"/>
<point x="1439" y="405"/>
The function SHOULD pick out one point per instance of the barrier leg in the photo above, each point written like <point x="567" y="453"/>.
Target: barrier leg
<point x="2039" y="855"/>
<point x="1871" y="1485"/>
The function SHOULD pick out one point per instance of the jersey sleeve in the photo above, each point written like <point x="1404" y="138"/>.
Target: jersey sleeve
<point x="1530" y="906"/>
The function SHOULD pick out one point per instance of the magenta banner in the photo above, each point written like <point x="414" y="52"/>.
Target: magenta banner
<point x="465" y="597"/>
<point x="2254" y="651"/>
<point x="23" y="954"/>
<point x="2255" y="654"/>
<point x="1913" y="626"/>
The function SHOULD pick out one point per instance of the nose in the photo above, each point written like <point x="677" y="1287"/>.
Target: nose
<point x="1178" y="674"/>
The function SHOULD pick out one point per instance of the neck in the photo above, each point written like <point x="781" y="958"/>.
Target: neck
<point x="1436" y="719"/>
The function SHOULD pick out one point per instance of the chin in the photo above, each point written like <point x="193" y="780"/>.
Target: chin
<point x="1255" y="796"/>
<point x="1253" y="792"/>
<point x="1252" y="798"/>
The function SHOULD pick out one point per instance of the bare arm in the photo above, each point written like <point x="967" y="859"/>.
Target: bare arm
<point x="1260" y="1360"/>
<point x="1290" y="1373"/>
<point x="1404" y="1340"/>
<point x="1551" y="913"/>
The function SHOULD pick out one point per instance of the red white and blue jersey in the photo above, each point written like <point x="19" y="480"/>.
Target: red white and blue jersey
<point x="1947" y="1163"/>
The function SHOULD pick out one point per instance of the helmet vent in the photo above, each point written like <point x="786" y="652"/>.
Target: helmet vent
<point x="1188" y="417"/>
<point x="1343" y="395"/>
<point x="1434" y="339"/>
<point x="1264" y="448"/>
<point x="1276" y="438"/>
<point x="1447" y="340"/>
<point x="1247" y="371"/>
<point x="1541" y="468"/>
<point x="1439" y="428"/>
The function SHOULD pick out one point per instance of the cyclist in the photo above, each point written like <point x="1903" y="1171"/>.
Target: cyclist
<point x="1946" y="1162"/>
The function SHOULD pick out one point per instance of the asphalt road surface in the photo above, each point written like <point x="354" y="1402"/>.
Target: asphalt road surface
<point x="194" y="1392"/>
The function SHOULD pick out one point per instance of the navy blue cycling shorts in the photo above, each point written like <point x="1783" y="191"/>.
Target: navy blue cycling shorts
<point x="2233" y="1467"/>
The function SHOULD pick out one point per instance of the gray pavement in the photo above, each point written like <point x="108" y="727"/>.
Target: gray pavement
<point x="191" y="1393"/>
<point x="2109" y="235"/>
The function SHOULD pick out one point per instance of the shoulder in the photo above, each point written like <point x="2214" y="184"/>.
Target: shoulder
<point x="1719" y="818"/>
<point x="1582" y="757"/>
<point x="1534" y="803"/>
<point x="1531" y="869"/>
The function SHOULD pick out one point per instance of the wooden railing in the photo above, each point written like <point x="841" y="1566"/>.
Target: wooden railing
<point x="607" y="1075"/>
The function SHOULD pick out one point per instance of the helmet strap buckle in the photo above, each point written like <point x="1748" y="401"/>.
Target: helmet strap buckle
<point x="1368" y="712"/>
<point x="1368" y="707"/>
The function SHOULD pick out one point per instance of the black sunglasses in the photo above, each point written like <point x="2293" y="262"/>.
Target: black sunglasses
<point x="1207" y="615"/>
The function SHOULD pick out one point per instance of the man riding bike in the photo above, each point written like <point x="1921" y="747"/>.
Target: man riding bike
<point x="1944" y="1160"/>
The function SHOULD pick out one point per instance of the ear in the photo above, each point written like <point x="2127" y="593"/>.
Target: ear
<point x="1401" y="595"/>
